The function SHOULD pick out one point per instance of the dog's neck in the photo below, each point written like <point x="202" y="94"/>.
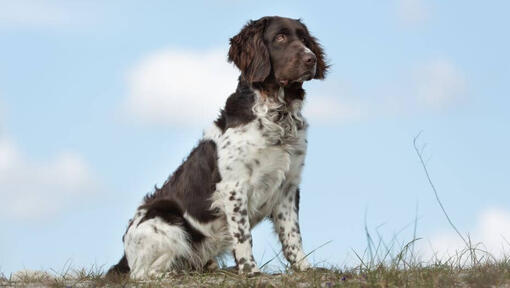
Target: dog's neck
<point x="271" y="88"/>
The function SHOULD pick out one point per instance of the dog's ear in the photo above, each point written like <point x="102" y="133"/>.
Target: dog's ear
<point x="322" y="67"/>
<point x="313" y="44"/>
<point x="249" y="52"/>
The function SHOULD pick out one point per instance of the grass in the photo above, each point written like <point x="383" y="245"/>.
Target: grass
<point x="379" y="265"/>
<point x="394" y="273"/>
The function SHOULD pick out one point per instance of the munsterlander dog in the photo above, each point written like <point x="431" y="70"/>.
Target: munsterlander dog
<point x="246" y="168"/>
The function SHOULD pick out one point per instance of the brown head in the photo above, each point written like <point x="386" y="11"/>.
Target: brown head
<point x="279" y="50"/>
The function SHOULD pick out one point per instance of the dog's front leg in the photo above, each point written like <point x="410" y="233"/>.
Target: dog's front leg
<point x="286" y="224"/>
<point x="235" y="199"/>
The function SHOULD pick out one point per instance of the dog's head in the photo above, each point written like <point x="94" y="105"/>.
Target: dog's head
<point x="277" y="47"/>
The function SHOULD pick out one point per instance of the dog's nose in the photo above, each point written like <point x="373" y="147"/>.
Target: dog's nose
<point x="310" y="59"/>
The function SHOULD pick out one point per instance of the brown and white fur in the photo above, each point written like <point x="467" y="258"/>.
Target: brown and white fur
<point x="246" y="168"/>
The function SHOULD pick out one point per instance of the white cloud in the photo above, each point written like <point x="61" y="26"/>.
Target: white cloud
<point x="439" y="84"/>
<point x="436" y="84"/>
<point x="412" y="11"/>
<point x="177" y="87"/>
<point x="43" y="14"/>
<point x="331" y="103"/>
<point x="180" y="87"/>
<point x="31" y="190"/>
<point x="491" y="232"/>
<point x="331" y="110"/>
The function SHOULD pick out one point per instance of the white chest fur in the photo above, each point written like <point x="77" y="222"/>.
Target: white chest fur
<point x="266" y="154"/>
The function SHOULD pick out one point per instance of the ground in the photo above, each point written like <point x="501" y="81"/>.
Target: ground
<point x="495" y="274"/>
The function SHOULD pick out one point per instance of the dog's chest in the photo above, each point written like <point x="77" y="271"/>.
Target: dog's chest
<point x="267" y="155"/>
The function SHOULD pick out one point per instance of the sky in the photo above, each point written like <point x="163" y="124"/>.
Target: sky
<point x="95" y="109"/>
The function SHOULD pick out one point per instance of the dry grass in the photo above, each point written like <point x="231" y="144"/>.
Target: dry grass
<point x="396" y="272"/>
<point x="381" y="264"/>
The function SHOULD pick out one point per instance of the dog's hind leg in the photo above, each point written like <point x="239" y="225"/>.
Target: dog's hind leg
<point x="154" y="247"/>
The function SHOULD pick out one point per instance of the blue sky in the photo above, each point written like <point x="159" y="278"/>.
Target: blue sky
<point x="94" y="111"/>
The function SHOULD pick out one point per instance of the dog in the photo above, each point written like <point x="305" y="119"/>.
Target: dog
<point x="246" y="168"/>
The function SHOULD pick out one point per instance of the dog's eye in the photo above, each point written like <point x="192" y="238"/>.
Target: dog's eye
<point x="280" y="37"/>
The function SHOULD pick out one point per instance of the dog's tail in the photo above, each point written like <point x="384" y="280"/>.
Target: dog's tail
<point x="120" y="269"/>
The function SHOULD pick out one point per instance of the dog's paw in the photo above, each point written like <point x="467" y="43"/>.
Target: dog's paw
<point x="211" y="266"/>
<point x="253" y="274"/>
<point x="302" y="265"/>
<point x="249" y="268"/>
